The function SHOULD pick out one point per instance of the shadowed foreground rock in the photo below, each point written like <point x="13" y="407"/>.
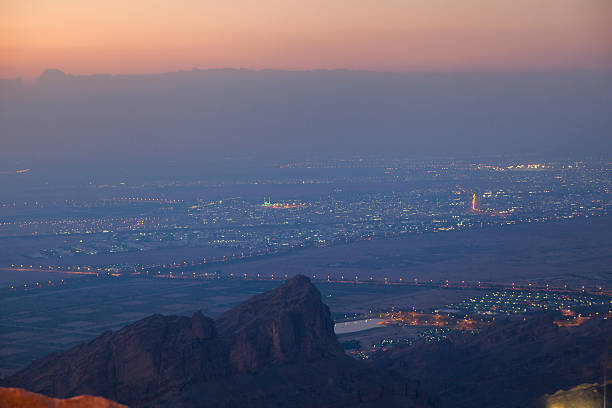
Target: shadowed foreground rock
<point x="20" y="398"/>
<point x="276" y="349"/>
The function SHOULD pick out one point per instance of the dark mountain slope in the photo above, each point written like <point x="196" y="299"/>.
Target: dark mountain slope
<point x="510" y="364"/>
<point x="276" y="349"/>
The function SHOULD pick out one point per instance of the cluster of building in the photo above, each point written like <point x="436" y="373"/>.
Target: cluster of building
<point x="524" y="302"/>
<point x="400" y="197"/>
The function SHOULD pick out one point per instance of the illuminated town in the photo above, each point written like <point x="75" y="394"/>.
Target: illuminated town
<point x="472" y="315"/>
<point x="402" y="197"/>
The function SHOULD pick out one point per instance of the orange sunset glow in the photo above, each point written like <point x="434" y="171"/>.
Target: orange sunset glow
<point x="138" y="36"/>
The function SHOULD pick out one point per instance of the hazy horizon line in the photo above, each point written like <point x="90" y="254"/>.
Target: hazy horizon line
<point x="432" y="71"/>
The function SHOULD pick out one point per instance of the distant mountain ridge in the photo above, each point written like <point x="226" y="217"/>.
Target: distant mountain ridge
<point x="276" y="349"/>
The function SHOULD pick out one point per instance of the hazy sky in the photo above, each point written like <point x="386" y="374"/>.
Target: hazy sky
<point x="189" y="119"/>
<point x="147" y="36"/>
<point x="469" y="77"/>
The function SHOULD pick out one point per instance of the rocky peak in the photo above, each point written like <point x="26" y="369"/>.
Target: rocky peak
<point x="295" y="295"/>
<point x="286" y="325"/>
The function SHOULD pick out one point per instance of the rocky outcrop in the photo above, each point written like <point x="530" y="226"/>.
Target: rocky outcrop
<point x="581" y="396"/>
<point x="276" y="349"/>
<point x="20" y="398"/>
<point x="286" y="325"/>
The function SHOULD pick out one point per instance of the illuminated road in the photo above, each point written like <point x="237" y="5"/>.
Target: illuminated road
<point x="69" y="272"/>
<point x="599" y="290"/>
<point x="473" y="207"/>
<point x="474" y="204"/>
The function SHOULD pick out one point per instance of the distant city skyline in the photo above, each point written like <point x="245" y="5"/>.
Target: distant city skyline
<point x="424" y="35"/>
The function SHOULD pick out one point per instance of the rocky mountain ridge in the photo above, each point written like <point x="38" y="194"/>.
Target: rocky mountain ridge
<point x="276" y="349"/>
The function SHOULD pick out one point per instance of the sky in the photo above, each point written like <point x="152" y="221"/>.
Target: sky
<point x="187" y="83"/>
<point x="192" y="120"/>
<point x="155" y="36"/>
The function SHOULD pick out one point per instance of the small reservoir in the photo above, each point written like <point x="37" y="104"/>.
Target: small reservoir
<point x="357" y="325"/>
